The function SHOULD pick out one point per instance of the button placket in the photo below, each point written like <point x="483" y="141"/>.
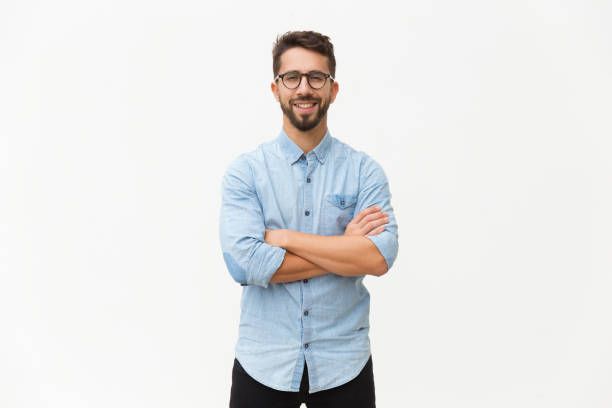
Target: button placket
<point x="307" y="331"/>
<point x="308" y="194"/>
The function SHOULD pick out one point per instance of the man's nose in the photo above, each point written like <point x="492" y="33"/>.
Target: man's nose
<point x="303" y="88"/>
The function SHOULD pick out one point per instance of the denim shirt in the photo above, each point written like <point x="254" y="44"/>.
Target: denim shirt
<point x="323" y="321"/>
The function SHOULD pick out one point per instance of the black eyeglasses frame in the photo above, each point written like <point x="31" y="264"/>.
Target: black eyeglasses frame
<point x="307" y="75"/>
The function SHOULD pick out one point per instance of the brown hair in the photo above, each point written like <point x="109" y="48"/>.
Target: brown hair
<point x="306" y="39"/>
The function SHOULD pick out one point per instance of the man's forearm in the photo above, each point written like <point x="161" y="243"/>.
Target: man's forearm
<point x="296" y="268"/>
<point x="343" y="255"/>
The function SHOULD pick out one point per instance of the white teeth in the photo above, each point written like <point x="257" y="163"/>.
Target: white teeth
<point x="305" y="105"/>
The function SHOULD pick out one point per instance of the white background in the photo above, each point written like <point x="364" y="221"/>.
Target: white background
<point x="491" y="120"/>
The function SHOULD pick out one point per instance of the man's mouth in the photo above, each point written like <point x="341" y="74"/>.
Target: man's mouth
<point x="305" y="107"/>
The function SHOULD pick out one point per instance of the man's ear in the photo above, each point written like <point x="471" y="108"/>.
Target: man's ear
<point x="333" y="92"/>
<point x="274" y="89"/>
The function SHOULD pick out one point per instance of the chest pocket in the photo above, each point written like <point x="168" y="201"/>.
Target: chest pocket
<point x="338" y="210"/>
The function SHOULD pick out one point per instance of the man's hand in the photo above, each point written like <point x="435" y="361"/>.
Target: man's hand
<point x="370" y="221"/>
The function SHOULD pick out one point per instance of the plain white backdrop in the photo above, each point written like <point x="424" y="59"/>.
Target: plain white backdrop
<point x="491" y="120"/>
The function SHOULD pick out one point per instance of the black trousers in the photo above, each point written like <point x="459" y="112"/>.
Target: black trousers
<point x="249" y="393"/>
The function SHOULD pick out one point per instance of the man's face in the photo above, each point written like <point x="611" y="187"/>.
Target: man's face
<point x="304" y="106"/>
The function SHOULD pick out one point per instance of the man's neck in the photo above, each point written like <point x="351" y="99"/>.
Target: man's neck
<point x="306" y="140"/>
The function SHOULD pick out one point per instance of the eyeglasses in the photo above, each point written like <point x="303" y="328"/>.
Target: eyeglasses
<point x="315" y="79"/>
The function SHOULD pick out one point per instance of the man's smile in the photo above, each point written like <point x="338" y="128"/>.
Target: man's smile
<point x="305" y="107"/>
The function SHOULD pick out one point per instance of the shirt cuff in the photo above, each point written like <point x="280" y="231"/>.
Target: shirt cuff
<point x="387" y="245"/>
<point x="265" y="265"/>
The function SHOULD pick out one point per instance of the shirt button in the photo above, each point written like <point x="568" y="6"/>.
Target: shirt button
<point x="306" y="345"/>
<point x="341" y="202"/>
<point x="308" y="180"/>
<point x="305" y="280"/>
<point x="306" y="313"/>
<point x="307" y="213"/>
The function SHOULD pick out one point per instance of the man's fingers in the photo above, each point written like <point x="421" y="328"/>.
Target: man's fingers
<point x="367" y="221"/>
<point x="376" y="223"/>
<point x="376" y="230"/>
<point x="370" y="210"/>
<point x="373" y="217"/>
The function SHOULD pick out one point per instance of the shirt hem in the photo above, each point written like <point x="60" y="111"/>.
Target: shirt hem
<point x="342" y="382"/>
<point x="311" y="390"/>
<point x="267" y="384"/>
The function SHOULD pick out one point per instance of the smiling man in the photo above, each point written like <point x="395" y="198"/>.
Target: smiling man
<point x="304" y="218"/>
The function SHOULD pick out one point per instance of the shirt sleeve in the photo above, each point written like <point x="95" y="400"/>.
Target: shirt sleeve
<point x="374" y="190"/>
<point x="249" y="260"/>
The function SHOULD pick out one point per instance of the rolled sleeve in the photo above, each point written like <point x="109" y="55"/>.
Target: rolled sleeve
<point x="375" y="191"/>
<point x="387" y="245"/>
<point x="249" y="260"/>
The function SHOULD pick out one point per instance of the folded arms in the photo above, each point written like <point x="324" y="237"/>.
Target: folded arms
<point x="351" y="254"/>
<point x="257" y="256"/>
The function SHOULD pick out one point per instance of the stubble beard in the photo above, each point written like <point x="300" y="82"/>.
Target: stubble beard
<point x="304" y="123"/>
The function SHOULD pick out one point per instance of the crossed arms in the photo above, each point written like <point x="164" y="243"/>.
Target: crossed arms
<point x="255" y="255"/>
<point x="351" y="254"/>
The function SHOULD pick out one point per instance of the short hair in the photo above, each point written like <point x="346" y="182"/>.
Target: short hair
<point x="306" y="39"/>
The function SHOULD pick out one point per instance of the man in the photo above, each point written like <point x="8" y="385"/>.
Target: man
<point x="286" y="237"/>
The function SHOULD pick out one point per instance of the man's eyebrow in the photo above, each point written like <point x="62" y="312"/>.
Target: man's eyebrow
<point x="306" y="72"/>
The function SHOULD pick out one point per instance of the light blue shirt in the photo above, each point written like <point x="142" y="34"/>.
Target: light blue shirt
<point x="323" y="321"/>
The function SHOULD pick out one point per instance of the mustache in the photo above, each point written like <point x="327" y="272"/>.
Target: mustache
<point x="305" y="100"/>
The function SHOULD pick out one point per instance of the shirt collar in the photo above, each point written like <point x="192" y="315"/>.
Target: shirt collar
<point x="293" y="152"/>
